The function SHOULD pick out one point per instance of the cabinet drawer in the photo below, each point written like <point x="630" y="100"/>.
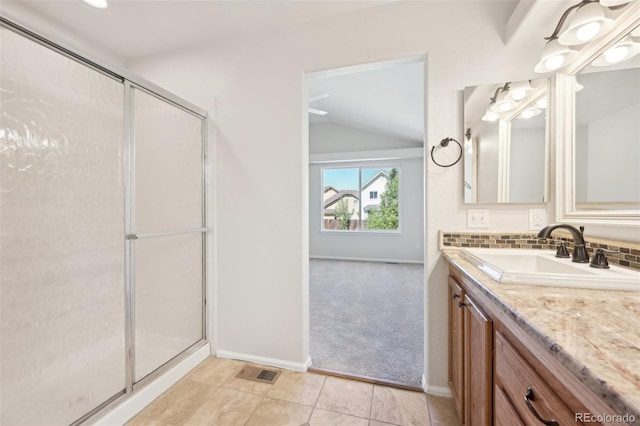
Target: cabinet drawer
<point x="503" y="412"/>
<point x="518" y="381"/>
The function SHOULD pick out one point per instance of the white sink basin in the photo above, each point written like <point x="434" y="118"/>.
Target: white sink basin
<point x="538" y="267"/>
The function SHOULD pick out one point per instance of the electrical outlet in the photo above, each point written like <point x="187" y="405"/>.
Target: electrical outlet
<point x="537" y="219"/>
<point x="477" y="218"/>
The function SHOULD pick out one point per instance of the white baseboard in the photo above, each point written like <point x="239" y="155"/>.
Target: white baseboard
<point x="366" y="259"/>
<point x="437" y="390"/>
<point x="124" y="411"/>
<point x="273" y="362"/>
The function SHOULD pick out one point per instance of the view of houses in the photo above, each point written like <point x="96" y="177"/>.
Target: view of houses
<point x="348" y="208"/>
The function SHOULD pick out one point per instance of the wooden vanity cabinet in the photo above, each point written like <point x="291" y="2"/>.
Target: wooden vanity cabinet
<point x="478" y="364"/>
<point x="526" y="392"/>
<point x="456" y="346"/>
<point x="500" y="367"/>
<point x="470" y="357"/>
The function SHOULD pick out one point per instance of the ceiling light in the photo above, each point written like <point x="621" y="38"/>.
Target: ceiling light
<point x="100" y="4"/>
<point x="621" y="51"/>
<point x="554" y="56"/>
<point x="588" y="21"/>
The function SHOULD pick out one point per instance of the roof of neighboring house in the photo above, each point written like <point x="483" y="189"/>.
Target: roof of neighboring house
<point x="375" y="177"/>
<point x="344" y="193"/>
<point x="329" y="188"/>
<point x="372" y="207"/>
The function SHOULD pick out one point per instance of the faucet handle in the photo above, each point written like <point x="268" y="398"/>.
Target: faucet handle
<point x="562" y="250"/>
<point x="600" y="260"/>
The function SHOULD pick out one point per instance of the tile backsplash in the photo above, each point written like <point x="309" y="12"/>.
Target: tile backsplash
<point x="625" y="254"/>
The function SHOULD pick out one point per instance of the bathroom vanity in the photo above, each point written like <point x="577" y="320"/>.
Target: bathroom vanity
<point x="529" y="355"/>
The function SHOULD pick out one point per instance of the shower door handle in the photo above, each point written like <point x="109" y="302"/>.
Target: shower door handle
<point x="165" y="234"/>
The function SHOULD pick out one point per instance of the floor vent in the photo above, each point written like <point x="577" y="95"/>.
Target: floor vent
<point x="258" y="374"/>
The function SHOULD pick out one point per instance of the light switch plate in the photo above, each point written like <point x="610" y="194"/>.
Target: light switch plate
<point x="478" y="218"/>
<point x="537" y="219"/>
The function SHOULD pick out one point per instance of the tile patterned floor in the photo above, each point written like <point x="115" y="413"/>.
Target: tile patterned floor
<point x="211" y="395"/>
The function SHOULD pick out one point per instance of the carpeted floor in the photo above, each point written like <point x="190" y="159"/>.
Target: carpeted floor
<point x="366" y="318"/>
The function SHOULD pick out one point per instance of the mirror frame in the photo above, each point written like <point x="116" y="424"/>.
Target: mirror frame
<point x="563" y="122"/>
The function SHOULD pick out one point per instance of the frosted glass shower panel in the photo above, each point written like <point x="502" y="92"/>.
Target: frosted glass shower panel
<point x="62" y="226"/>
<point x="168" y="299"/>
<point x="168" y="165"/>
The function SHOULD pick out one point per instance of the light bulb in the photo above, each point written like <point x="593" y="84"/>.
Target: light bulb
<point x="554" y="62"/>
<point x="616" y="54"/>
<point x="505" y="106"/>
<point x="490" y="116"/>
<point x="588" y="31"/>
<point x="518" y="94"/>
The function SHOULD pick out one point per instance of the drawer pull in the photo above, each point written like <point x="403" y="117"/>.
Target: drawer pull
<point x="527" y="399"/>
<point x="455" y="296"/>
<point x="461" y="304"/>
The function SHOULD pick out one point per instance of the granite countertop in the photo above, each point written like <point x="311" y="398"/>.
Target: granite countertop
<point x="594" y="333"/>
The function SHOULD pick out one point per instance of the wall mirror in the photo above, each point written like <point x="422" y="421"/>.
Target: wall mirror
<point x="602" y="158"/>
<point x="506" y="144"/>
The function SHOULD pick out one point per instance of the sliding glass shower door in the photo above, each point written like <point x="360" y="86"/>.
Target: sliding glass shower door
<point x="167" y="230"/>
<point x="102" y="224"/>
<point x="62" y="251"/>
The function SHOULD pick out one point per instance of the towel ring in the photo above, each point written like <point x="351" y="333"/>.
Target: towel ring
<point x="444" y="143"/>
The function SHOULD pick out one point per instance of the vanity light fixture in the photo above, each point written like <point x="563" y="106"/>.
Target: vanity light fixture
<point x="589" y="20"/>
<point x="503" y="103"/>
<point x="554" y="56"/>
<point x="100" y="4"/>
<point x="497" y="103"/>
<point x="519" y="89"/>
<point x="619" y="52"/>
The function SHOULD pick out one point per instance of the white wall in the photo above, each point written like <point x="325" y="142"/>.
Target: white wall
<point x="262" y="272"/>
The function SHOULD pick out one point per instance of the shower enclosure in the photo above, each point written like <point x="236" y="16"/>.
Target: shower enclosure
<point x="103" y="224"/>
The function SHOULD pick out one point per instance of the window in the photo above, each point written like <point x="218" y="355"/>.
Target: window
<point x="346" y="207"/>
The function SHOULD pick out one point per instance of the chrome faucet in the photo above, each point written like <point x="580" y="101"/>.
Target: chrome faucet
<point x="579" y="254"/>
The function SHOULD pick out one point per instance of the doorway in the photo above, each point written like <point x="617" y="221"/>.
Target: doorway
<point x="366" y="224"/>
